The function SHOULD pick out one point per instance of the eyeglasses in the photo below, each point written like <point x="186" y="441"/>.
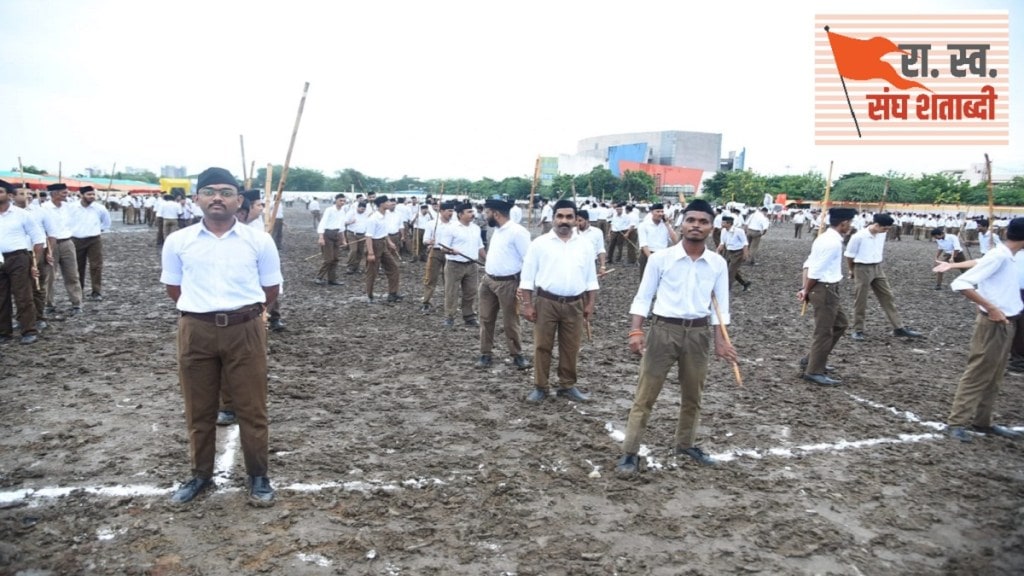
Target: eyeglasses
<point x="224" y="192"/>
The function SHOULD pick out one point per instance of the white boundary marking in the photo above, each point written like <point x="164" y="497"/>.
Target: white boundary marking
<point x="225" y="463"/>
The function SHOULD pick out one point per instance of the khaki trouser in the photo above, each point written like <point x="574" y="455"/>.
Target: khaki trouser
<point x="277" y="233"/>
<point x="948" y="258"/>
<point x="495" y="295"/>
<point x="460" y="277"/>
<point x="669" y="345"/>
<point x="66" y="260"/>
<point x="230" y="357"/>
<point x="566" y="320"/>
<point x="39" y="287"/>
<point x="1017" y="349"/>
<point x="798" y="230"/>
<point x="979" y="386"/>
<point x="383" y="257"/>
<point x="754" y="238"/>
<point x="434" y="273"/>
<point x="735" y="260"/>
<point x="16" y="286"/>
<point x="169" y="225"/>
<point x="90" y="251"/>
<point x="616" y="243"/>
<point x="329" y="251"/>
<point x="871" y="278"/>
<point x="356" y="250"/>
<point x="829" y="325"/>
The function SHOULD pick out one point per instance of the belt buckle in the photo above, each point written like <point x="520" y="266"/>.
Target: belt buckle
<point x="220" y="320"/>
<point x="687" y="323"/>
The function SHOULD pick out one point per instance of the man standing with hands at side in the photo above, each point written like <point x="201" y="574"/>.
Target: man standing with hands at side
<point x="681" y="280"/>
<point x="501" y="280"/>
<point x="221" y="274"/>
<point x="559" y="270"/>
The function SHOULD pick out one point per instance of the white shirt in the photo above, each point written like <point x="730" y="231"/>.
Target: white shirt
<point x="563" y="268"/>
<point x="430" y="232"/>
<point x="393" y="221"/>
<point x="547" y="214"/>
<point x="218" y="274"/>
<point x="507" y="250"/>
<point x="463" y="238"/>
<point x="620" y="222"/>
<point x="653" y="236"/>
<point x="60" y="217"/>
<point x="683" y="286"/>
<point x="356" y="222"/>
<point x="985" y="240"/>
<point x="332" y="219"/>
<point x="88" y="221"/>
<point x="758" y="221"/>
<point x="865" y="247"/>
<point x="949" y="244"/>
<point x="825" y="264"/>
<point x="313" y="205"/>
<point x="168" y="210"/>
<point x="799" y="218"/>
<point x="515" y="214"/>
<point x="995" y="277"/>
<point x="376" y="226"/>
<point x="634" y="218"/>
<point x="596" y="238"/>
<point x="19" y="230"/>
<point x="45" y="218"/>
<point x="734" y="238"/>
<point x="425" y="220"/>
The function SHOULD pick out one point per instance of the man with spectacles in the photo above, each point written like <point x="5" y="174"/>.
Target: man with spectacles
<point x="220" y="274"/>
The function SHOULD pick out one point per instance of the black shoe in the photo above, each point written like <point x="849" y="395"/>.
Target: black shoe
<point x="448" y="323"/>
<point x="821" y="380"/>
<point x="828" y="367"/>
<point x="538" y="395"/>
<point x="75" y="310"/>
<point x="29" y="339"/>
<point x="425" y="308"/>
<point x="261" y="494"/>
<point x="858" y="336"/>
<point x="573" y="394"/>
<point x="319" y="281"/>
<point x="49" y="310"/>
<point x="473" y="323"/>
<point x="959" y="433"/>
<point x="746" y="285"/>
<point x="277" y="325"/>
<point x="484" y="361"/>
<point x="41" y="325"/>
<point x="96" y="296"/>
<point x="395" y="298"/>
<point x="520" y="362"/>
<point x="350" y="271"/>
<point x="697" y="454"/>
<point x="907" y="333"/>
<point x="628" y="464"/>
<point x="939" y="287"/>
<point x="997" y="430"/>
<point x="226" y="418"/>
<point x="5" y="338"/>
<point x="189" y="490"/>
<point x="335" y="283"/>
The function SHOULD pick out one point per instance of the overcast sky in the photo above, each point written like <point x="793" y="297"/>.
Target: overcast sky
<point x="431" y="89"/>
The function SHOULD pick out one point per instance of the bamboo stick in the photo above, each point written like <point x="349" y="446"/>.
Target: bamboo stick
<point x="287" y="161"/>
<point x="821" y="223"/>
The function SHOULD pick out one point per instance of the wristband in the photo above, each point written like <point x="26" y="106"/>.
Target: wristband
<point x="636" y="333"/>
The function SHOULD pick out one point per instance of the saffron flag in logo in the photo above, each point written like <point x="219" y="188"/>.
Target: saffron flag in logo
<point x="862" y="59"/>
<point x="912" y="79"/>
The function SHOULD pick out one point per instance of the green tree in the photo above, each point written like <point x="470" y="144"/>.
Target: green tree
<point x="30" y="169"/>
<point x="637" y="185"/>
<point x="601" y="183"/>
<point x="743" y="186"/>
<point x="714" y="187"/>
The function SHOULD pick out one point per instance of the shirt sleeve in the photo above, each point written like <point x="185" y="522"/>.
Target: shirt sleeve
<point x="721" y="293"/>
<point x="268" y="261"/>
<point x="853" y="246"/>
<point x="648" y="288"/>
<point x="970" y="279"/>
<point x="530" y="264"/>
<point x="170" y="261"/>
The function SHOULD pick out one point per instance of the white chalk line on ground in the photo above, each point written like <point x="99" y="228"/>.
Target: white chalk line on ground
<point x="225" y="463"/>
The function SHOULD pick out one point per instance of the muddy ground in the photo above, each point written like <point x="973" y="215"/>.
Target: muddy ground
<point x="392" y="455"/>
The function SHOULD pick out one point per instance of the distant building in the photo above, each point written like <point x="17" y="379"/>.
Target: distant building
<point x="173" y="172"/>
<point x="697" y="150"/>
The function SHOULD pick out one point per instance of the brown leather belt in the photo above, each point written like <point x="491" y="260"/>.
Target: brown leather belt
<point x="14" y="253"/>
<point x="230" y="318"/>
<point x="504" y="278"/>
<point x="686" y="323"/>
<point x="564" y="299"/>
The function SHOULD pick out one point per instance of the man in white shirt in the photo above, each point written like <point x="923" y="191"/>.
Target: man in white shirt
<point x="654" y="233"/>
<point x="355" y="236"/>
<point x="330" y="235"/>
<point x="47" y="222"/>
<point x="681" y="281"/>
<point x="824" y="271"/>
<point x="64" y="256"/>
<point x="508" y="247"/>
<point x="949" y="250"/>
<point x="798" y="223"/>
<point x="423" y="221"/>
<point x="168" y="211"/>
<point x="380" y="247"/>
<point x="984" y="237"/>
<point x="546" y="216"/>
<point x="515" y="214"/>
<point x="435" y="255"/>
<point x="736" y="250"/>
<point x="462" y="245"/>
<point x="21" y="246"/>
<point x="594" y="235"/>
<point x="559" y="287"/>
<point x="89" y="219"/>
<point x="993" y="285"/>
<point x="864" y="254"/>
<point x="757" y="226"/>
<point x="313" y="206"/>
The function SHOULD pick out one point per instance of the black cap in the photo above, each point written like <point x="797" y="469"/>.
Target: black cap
<point x="1015" y="231"/>
<point x="658" y="206"/>
<point x="251" y="195"/>
<point x="462" y="206"/>
<point x="85" y="189"/>
<point x="448" y="205"/>
<point x="379" y="200"/>
<point x="215" y="176"/>
<point x="583" y="214"/>
<point x="498" y="204"/>
<point x="837" y="216"/>
<point x="7" y="186"/>
<point x="57" y="186"/>
<point x="883" y="220"/>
